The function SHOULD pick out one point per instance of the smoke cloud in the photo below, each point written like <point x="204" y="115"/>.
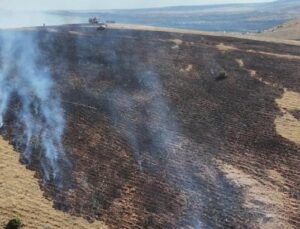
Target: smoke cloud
<point x="155" y="130"/>
<point x="39" y="124"/>
<point x="143" y="114"/>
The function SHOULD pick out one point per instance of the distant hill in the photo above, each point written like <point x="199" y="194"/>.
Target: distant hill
<point x="289" y="30"/>
<point x="230" y="17"/>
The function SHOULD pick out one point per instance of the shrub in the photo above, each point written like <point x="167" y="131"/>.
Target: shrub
<point x="14" y="224"/>
<point x="222" y="76"/>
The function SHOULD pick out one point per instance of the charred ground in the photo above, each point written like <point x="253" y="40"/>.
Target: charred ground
<point x="157" y="142"/>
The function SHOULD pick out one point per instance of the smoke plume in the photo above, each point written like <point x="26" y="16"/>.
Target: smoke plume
<point x="145" y="117"/>
<point x="156" y="129"/>
<point x="39" y="118"/>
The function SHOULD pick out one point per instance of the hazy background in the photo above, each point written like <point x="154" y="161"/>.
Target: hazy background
<point x="219" y="15"/>
<point x="103" y="4"/>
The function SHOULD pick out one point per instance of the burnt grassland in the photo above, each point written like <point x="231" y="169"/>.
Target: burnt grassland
<point x="217" y="167"/>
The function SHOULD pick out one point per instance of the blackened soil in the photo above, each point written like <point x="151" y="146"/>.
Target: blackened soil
<point x="145" y="132"/>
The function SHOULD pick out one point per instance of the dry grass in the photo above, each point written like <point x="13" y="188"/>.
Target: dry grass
<point x="263" y="198"/>
<point x="188" y="68"/>
<point x="289" y="31"/>
<point x="21" y="197"/>
<point x="222" y="47"/>
<point x="287" y="125"/>
<point x="261" y="37"/>
<point x="240" y="63"/>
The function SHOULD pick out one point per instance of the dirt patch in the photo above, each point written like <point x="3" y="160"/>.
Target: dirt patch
<point x="21" y="197"/>
<point x="261" y="198"/>
<point x="177" y="41"/>
<point x="223" y="47"/>
<point x="289" y="101"/>
<point x="287" y="125"/>
<point x="240" y="62"/>
<point x="284" y="56"/>
<point x="187" y="69"/>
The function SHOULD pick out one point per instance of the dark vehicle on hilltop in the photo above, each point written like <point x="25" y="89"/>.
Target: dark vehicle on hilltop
<point x="102" y="26"/>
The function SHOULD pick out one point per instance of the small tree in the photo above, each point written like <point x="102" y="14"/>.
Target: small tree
<point x="14" y="223"/>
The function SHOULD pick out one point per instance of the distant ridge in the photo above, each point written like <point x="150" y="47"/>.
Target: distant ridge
<point x="288" y="31"/>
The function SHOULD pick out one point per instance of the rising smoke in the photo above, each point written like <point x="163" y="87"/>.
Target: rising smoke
<point x="39" y="118"/>
<point x="155" y="128"/>
<point x="146" y="119"/>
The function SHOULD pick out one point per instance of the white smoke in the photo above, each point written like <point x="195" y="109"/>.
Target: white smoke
<point x="145" y="117"/>
<point x="124" y="109"/>
<point x="40" y="118"/>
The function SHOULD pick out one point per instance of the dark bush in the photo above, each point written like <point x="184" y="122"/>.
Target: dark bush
<point x="222" y="76"/>
<point x="14" y="224"/>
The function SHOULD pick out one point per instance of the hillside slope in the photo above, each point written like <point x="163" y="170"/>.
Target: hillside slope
<point x="288" y="31"/>
<point x="21" y="197"/>
<point x="158" y="139"/>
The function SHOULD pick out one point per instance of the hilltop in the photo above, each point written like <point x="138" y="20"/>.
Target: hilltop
<point x="288" y="31"/>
